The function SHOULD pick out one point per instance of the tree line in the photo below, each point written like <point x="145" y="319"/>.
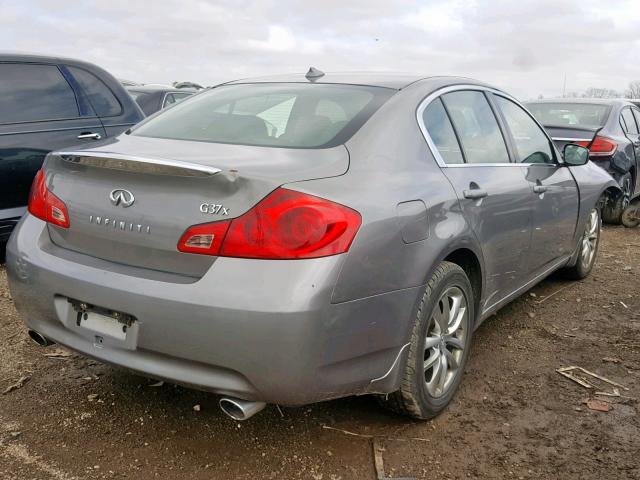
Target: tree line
<point x="633" y="91"/>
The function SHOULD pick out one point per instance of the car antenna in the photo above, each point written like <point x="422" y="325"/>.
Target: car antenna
<point x="314" y="74"/>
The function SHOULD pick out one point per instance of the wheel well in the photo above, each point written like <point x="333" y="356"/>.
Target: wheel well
<point x="611" y="193"/>
<point x="468" y="261"/>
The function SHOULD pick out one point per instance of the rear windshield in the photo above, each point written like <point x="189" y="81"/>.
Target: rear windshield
<point x="570" y="114"/>
<point x="290" y="115"/>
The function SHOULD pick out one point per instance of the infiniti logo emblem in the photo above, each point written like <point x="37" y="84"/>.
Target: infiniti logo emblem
<point x="122" y="197"/>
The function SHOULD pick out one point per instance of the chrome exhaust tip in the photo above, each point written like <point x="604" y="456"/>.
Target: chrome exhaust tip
<point x="40" y="339"/>
<point x="240" y="409"/>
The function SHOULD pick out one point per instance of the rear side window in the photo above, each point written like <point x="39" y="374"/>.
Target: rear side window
<point x="629" y="123"/>
<point x="436" y="121"/>
<point x="531" y="143"/>
<point x="32" y="92"/>
<point x="102" y="99"/>
<point x="477" y="127"/>
<point x="290" y="115"/>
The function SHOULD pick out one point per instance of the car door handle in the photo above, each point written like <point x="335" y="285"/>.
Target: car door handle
<point x="475" y="193"/>
<point x="540" y="188"/>
<point x="89" y="136"/>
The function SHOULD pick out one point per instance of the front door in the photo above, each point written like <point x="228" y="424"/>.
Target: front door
<point x="551" y="186"/>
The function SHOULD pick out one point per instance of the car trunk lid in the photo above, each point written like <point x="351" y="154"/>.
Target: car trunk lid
<point x="562" y="135"/>
<point x="130" y="200"/>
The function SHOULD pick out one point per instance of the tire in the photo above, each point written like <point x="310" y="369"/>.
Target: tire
<point x="587" y="248"/>
<point x="631" y="216"/>
<point x="612" y="211"/>
<point x="423" y="392"/>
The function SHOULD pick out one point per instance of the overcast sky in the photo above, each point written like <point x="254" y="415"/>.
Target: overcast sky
<point x="525" y="47"/>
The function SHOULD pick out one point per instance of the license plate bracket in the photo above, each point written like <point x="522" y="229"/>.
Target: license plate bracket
<point x="103" y="321"/>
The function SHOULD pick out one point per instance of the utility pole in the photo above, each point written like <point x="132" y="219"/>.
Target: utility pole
<point x="564" y="86"/>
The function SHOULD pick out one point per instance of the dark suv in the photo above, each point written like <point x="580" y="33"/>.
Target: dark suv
<point x="49" y="103"/>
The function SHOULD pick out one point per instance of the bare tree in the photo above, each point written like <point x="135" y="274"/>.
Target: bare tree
<point x="598" y="92"/>
<point x="634" y="90"/>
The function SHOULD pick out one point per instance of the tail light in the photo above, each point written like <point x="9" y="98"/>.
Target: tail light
<point x="205" y="238"/>
<point x="284" y="225"/>
<point x="600" y="146"/>
<point x="45" y="205"/>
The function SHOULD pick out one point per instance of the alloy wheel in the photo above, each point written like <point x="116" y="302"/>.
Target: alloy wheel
<point x="590" y="239"/>
<point x="445" y="341"/>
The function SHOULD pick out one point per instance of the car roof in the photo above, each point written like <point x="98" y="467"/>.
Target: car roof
<point x="374" y="79"/>
<point x="37" y="58"/>
<point x="585" y="101"/>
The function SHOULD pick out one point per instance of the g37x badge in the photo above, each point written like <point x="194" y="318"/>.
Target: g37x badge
<point x="214" y="209"/>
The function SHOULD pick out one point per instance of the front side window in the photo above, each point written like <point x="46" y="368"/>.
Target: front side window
<point x="103" y="101"/>
<point x="531" y="143"/>
<point x="290" y="115"/>
<point x="476" y="126"/>
<point x="32" y="92"/>
<point x="437" y="123"/>
<point x="628" y="122"/>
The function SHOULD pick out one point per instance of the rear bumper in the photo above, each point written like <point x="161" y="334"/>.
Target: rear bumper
<point x="255" y="329"/>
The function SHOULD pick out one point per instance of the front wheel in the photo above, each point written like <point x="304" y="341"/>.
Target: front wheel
<point x="587" y="247"/>
<point x="439" y="346"/>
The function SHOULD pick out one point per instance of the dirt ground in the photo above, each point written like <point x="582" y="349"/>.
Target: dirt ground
<point x="514" y="416"/>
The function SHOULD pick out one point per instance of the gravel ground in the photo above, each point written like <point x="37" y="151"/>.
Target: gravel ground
<point x="514" y="416"/>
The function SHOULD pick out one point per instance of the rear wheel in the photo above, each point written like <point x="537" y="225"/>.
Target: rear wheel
<point x="439" y="345"/>
<point x="588" y="248"/>
<point x="612" y="211"/>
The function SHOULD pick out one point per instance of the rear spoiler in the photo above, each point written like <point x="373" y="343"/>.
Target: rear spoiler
<point x="133" y="163"/>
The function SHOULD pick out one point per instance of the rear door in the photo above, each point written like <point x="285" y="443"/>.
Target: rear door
<point x="493" y="192"/>
<point x="39" y="112"/>
<point x="552" y="187"/>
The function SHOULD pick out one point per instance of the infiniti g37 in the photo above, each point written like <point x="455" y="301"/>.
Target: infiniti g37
<point x="375" y="220"/>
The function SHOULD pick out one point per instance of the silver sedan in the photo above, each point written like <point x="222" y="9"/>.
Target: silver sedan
<point x="295" y="239"/>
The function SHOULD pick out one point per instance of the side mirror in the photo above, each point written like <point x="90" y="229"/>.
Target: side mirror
<point x="575" y="155"/>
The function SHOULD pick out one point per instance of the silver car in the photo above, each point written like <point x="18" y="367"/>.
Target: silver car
<point x="295" y="239"/>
